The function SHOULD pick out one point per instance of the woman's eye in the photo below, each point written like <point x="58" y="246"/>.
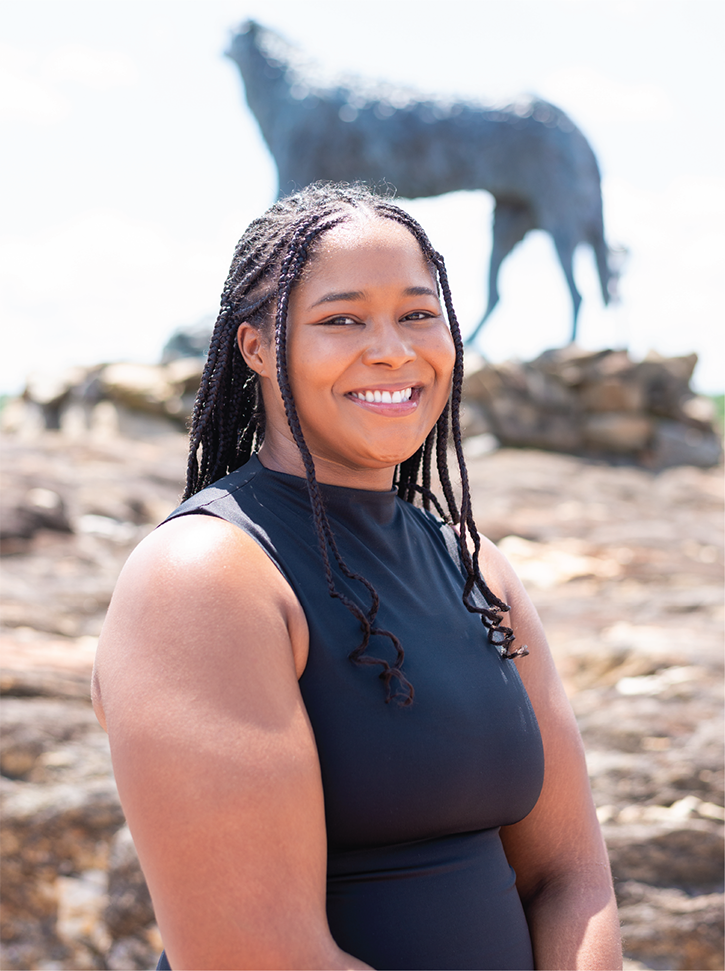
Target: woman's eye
<point x="339" y="321"/>
<point x="420" y="315"/>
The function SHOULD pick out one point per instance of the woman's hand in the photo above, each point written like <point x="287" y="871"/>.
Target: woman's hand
<point x="214" y="756"/>
<point x="557" y="851"/>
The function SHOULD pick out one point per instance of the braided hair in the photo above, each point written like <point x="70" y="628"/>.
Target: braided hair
<point x="227" y="423"/>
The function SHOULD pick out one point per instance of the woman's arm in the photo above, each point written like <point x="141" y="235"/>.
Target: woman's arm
<point x="215" y="760"/>
<point x="557" y="851"/>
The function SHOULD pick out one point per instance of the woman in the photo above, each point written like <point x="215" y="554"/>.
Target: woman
<point x="325" y="759"/>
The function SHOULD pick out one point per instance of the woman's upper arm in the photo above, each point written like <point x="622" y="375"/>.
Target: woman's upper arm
<point x="214" y="756"/>
<point x="561" y="835"/>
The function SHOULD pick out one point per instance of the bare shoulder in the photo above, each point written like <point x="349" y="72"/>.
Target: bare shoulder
<point x="213" y="752"/>
<point x="198" y="594"/>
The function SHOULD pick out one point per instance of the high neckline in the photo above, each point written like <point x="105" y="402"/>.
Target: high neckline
<point x="340" y="501"/>
<point x="348" y="492"/>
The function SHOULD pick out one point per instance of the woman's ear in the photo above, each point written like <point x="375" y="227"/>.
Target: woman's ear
<point x="256" y="351"/>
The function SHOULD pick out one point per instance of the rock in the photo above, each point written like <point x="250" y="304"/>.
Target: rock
<point x="473" y="420"/>
<point x="50" y="832"/>
<point x="571" y="363"/>
<point x="141" y="386"/>
<point x="32" y="728"/>
<point x="624" y="564"/>
<point x="659" y="923"/>
<point x="26" y="511"/>
<point x="189" y="342"/>
<point x="613" y="394"/>
<point x="45" y="682"/>
<point x="598" y="403"/>
<point x="81" y="900"/>
<point x="595" y="403"/>
<point x="129" y="908"/>
<point x="52" y="389"/>
<point x="185" y="374"/>
<point x="665" y="853"/>
<point x="700" y="410"/>
<point x="620" y="432"/>
<point x="478" y="445"/>
<point x="132" y="953"/>
<point x="679" y="444"/>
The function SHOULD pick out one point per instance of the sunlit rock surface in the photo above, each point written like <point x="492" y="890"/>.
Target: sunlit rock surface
<point x="624" y="564"/>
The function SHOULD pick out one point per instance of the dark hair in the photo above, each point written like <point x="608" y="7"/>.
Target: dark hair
<point x="227" y="423"/>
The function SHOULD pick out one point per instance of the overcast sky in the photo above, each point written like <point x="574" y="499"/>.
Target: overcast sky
<point x="132" y="163"/>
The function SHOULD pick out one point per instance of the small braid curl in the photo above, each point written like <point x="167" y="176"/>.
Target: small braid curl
<point x="227" y="422"/>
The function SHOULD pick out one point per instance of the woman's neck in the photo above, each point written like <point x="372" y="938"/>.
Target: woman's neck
<point x="284" y="456"/>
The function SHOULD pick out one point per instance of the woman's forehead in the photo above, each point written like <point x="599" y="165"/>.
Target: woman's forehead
<point x="364" y="229"/>
<point x="364" y="238"/>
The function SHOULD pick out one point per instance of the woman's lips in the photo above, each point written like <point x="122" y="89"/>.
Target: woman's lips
<point x="383" y="396"/>
<point x="399" y="402"/>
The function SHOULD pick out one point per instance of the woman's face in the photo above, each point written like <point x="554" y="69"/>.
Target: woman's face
<point x="369" y="357"/>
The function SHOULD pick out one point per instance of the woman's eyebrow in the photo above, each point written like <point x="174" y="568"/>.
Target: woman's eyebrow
<point x="360" y="295"/>
<point x="343" y="295"/>
<point x="420" y="292"/>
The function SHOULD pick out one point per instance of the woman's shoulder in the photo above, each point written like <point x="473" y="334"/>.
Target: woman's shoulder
<point x="225" y="494"/>
<point x="192" y="549"/>
<point x="194" y="585"/>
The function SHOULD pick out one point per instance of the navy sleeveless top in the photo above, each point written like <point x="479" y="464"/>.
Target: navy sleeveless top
<point x="414" y="797"/>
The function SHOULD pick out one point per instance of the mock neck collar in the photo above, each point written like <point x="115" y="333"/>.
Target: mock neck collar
<point x="340" y="501"/>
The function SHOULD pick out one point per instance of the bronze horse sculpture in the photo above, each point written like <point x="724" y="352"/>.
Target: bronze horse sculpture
<point x="530" y="156"/>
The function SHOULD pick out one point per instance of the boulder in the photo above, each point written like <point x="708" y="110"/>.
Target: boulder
<point x="144" y="387"/>
<point x="676" y="443"/>
<point x="26" y="511"/>
<point x="620" y="432"/>
<point x="129" y="908"/>
<point x="667" y="852"/>
<point x="188" y="342"/>
<point x="669" y="928"/>
<point x="597" y="403"/>
<point x="613" y="394"/>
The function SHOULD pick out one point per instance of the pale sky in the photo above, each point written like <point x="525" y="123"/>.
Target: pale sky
<point x="132" y="164"/>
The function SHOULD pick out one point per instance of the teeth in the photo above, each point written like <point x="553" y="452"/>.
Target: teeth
<point x="385" y="397"/>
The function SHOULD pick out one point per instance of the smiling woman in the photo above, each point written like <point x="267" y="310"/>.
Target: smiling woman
<point x="325" y="759"/>
<point x="379" y="350"/>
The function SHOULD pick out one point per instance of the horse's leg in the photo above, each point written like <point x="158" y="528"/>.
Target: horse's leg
<point x="565" y="251"/>
<point x="607" y="278"/>
<point x="511" y="222"/>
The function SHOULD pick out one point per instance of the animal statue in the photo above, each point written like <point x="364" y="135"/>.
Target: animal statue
<point x="530" y="156"/>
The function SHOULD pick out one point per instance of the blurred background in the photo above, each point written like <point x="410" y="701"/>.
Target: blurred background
<point x="132" y="166"/>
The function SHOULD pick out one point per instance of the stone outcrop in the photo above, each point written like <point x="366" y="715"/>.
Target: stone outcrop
<point x="624" y="565"/>
<point x="598" y="404"/>
<point x="131" y="400"/>
<point x="595" y="403"/>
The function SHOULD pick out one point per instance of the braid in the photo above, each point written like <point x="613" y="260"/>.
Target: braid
<point x="296" y="259"/>
<point x="490" y="617"/>
<point x="227" y="423"/>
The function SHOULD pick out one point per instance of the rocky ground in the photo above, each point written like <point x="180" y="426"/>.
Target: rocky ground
<point x="625" y="566"/>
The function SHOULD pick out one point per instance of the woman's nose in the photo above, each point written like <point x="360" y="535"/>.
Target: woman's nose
<point x="388" y="344"/>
